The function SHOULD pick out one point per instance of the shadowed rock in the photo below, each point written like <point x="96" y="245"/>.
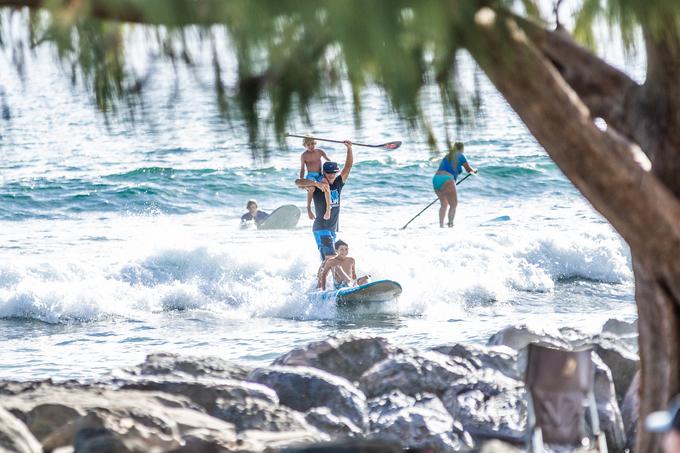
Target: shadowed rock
<point x="327" y="422"/>
<point x="489" y="405"/>
<point x="303" y="388"/>
<point x="413" y="373"/>
<point x="419" y="421"/>
<point x="144" y="420"/>
<point x="622" y="362"/>
<point x="620" y="328"/>
<point x="162" y="364"/>
<point x="630" y="408"/>
<point x="611" y="422"/>
<point x="15" y="436"/>
<point x="518" y="337"/>
<point x="348" y="357"/>
<point x="500" y="358"/>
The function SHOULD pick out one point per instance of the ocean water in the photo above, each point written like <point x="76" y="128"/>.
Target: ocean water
<point x="119" y="241"/>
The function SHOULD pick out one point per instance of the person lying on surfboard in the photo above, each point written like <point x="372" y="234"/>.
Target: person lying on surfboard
<point x="310" y="160"/>
<point x="253" y="215"/>
<point x="343" y="268"/>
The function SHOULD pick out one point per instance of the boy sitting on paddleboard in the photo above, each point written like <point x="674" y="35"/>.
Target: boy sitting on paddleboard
<point x="343" y="267"/>
<point x="310" y="160"/>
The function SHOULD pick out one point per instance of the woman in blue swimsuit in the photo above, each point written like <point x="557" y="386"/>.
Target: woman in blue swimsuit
<point x="444" y="181"/>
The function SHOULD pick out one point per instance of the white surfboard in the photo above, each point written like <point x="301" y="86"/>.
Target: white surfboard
<point x="282" y="218"/>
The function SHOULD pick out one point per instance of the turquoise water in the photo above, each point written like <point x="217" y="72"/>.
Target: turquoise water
<point x="117" y="242"/>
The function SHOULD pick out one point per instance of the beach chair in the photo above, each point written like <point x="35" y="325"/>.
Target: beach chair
<point x="559" y="385"/>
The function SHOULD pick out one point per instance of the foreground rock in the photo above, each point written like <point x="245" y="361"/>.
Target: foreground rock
<point x="15" y="436"/>
<point x="348" y="391"/>
<point x="419" y="421"/>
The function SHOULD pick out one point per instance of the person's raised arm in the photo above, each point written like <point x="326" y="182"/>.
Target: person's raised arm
<point x="349" y="160"/>
<point x="302" y="167"/>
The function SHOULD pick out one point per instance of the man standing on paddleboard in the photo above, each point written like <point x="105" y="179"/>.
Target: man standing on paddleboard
<point x="333" y="181"/>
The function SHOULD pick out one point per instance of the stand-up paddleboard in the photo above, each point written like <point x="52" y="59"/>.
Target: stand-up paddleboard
<point x="379" y="291"/>
<point x="282" y="218"/>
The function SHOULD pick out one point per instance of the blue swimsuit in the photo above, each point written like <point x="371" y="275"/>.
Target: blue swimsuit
<point x="438" y="181"/>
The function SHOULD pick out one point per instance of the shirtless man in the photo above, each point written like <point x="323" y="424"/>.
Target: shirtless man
<point x="343" y="268"/>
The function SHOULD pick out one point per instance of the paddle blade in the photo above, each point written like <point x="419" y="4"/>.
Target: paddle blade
<point x="390" y="145"/>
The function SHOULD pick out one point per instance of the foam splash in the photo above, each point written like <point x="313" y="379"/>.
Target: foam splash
<point x="442" y="275"/>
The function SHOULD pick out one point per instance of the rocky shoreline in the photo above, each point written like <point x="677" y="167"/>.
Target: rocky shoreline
<point x="347" y="390"/>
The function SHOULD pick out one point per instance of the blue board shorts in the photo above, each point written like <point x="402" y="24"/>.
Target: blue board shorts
<point x="340" y="285"/>
<point x="325" y="241"/>
<point x="314" y="176"/>
<point x="438" y="181"/>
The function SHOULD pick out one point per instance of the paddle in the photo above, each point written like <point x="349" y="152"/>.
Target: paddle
<point x="388" y="145"/>
<point x="433" y="202"/>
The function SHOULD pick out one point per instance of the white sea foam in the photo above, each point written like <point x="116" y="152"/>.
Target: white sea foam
<point x="263" y="276"/>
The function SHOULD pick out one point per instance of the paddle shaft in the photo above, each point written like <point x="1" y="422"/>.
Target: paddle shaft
<point x="340" y="141"/>
<point x="433" y="202"/>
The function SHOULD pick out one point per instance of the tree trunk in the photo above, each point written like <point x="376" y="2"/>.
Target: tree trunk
<point x="615" y="176"/>
<point x="658" y="326"/>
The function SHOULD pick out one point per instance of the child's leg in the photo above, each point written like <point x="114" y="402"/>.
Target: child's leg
<point x="310" y="214"/>
<point x="327" y="215"/>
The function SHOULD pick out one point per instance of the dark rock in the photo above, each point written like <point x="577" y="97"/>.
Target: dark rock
<point x="419" y="421"/>
<point x="622" y="362"/>
<point x="347" y="446"/>
<point x="15" y="436"/>
<point x="630" y="408"/>
<point x="327" y="422"/>
<point x="206" y="394"/>
<point x="142" y="421"/>
<point x="489" y="405"/>
<point x="162" y="364"/>
<point x="260" y="414"/>
<point x="518" y="337"/>
<point x="98" y="440"/>
<point x="303" y="388"/>
<point x="608" y="411"/>
<point x="413" y="373"/>
<point x="348" y="357"/>
<point x="500" y="358"/>
<point x="620" y="328"/>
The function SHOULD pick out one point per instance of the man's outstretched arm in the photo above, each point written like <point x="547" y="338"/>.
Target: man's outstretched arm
<point x="349" y="161"/>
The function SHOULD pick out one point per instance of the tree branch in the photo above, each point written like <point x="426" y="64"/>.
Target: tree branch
<point x="611" y="172"/>
<point x="172" y="12"/>
<point x="605" y="90"/>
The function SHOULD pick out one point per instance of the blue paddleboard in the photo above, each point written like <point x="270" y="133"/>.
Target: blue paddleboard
<point x="378" y="291"/>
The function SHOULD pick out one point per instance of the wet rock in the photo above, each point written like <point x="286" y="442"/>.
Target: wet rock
<point x="15" y="436"/>
<point x="260" y="414"/>
<point x="630" y="408"/>
<point x="347" y="446"/>
<point x="98" y="439"/>
<point x="518" y="337"/>
<point x="327" y="422"/>
<point x="621" y="328"/>
<point x="413" y="373"/>
<point x="206" y="394"/>
<point x="611" y="422"/>
<point x="142" y="421"/>
<point x="167" y="364"/>
<point x="304" y="388"/>
<point x="419" y="421"/>
<point x="500" y="358"/>
<point x="489" y="405"/>
<point x="348" y="357"/>
<point x="622" y="362"/>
